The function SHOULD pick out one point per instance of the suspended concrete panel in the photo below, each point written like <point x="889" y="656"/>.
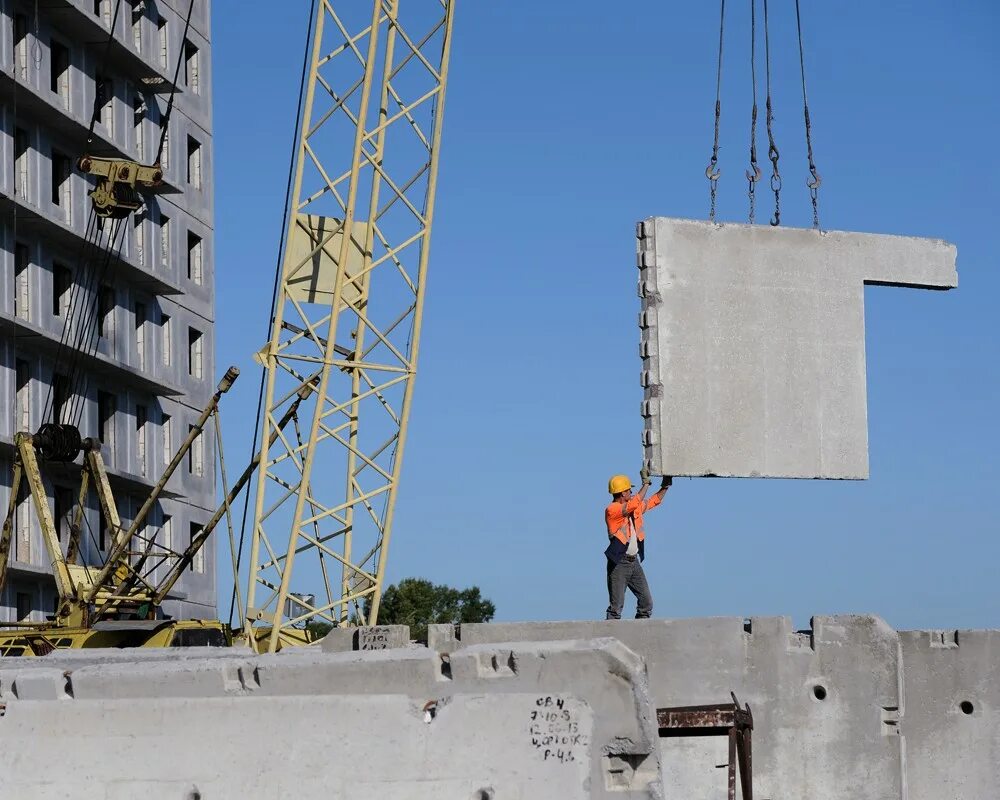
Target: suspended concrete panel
<point x="753" y="344"/>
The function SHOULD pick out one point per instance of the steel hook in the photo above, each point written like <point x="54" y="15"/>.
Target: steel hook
<point x="711" y="172"/>
<point x="755" y="175"/>
<point x="815" y="181"/>
<point x="776" y="219"/>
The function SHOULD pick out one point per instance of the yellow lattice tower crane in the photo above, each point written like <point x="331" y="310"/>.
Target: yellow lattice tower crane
<point x="346" y="323"/>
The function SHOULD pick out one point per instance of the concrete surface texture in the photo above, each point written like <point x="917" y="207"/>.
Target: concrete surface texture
<point x="534" y="720"/>
<point x="753" y="346"/>
<point x="849" y="708"/>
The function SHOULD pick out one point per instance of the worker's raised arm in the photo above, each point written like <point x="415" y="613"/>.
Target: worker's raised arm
<point x="657" y="498"/>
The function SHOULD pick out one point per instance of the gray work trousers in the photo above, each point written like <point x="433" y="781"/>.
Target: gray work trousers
<point x="630" y="574"/>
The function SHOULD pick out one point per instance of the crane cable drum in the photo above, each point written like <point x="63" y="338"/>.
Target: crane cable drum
<point x="753" y="174"/>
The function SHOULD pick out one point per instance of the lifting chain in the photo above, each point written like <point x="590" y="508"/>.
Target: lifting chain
<point x="814" y="181"/>
<point x="712" y="172"/>
<point x="772" y="149"/>
<point x="753" y="174"/>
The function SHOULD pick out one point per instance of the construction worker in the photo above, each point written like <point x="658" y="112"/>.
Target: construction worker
<point x="625" y="551"/>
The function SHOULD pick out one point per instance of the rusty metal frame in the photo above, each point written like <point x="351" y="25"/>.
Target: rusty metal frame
<point x="723" y="719"/>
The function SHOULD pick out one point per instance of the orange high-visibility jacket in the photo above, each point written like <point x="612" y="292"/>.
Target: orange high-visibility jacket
<point x="618" y="527"/>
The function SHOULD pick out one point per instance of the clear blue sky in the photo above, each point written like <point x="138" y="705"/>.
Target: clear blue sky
<point x="566" y="122"/>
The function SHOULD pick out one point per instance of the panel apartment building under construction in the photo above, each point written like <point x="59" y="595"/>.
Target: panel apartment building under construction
<point x="151" y="368"/>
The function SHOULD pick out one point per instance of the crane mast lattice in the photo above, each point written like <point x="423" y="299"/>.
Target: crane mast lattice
<point x="345" y="330"/>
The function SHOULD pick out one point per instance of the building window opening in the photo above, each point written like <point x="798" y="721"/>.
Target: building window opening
<point x="60" y="397"/>
<point x="22" y="284"/>
<point x="102" y="9"/>
<point x="167" y="344"/>
<point x="194" y="162"/>
<point x="196" y="455"/>
<point x="22" y="377"/>
<point x="198" y="562"/>
<point x="195" y="353"/>
<point x="106" y="311"/>
<point x="140" y="335"/>
<point x="21" y="45"/>
<point x="165" y="532"/>
<point x="161" y="35"/>
<point x="194" y="258"/>
<point x="167" y="446"/>
<point x="22" y="160"/>
<point x="63" y="512"/>
<point x="138" y="8"/>
<point x="106" y="407"/>
<point x="139" y="234"/>
<point x="59" y="70"/>
<point x="139" y="109"/>
<point x="61" y="172"/>
<point x="164" y="241"/>
<point x="62" y="281"/>
<point x="141" y="418"/>
<point x="191" y="68"/>
<point x="105" y="89"/>
<point x="23" y="606"/>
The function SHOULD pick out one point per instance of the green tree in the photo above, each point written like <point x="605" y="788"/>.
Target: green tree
<point x="418" y="603"/>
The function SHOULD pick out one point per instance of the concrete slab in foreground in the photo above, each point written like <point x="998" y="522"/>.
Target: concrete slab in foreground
<point x="847" y="709"/>
<point x="753" y="344"/>
<point x="531" y="720"/>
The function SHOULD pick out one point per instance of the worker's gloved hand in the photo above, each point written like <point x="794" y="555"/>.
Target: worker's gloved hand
<point x="644" y="476"/>
<point x="666" y="482"/>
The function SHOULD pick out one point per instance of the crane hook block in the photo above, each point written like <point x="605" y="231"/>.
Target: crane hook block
<point x="116" y="194"/>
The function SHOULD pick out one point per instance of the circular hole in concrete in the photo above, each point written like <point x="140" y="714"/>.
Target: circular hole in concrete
<point x="819" y="692"/>
<point x="966" y="706"/>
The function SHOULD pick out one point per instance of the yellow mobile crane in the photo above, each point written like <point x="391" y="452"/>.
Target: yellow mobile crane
<point x="341" y="355"/>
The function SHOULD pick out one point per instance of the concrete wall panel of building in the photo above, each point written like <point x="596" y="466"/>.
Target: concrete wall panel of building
<point x="153" y="367"/>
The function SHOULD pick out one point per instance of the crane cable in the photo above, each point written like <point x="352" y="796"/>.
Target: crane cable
<point x="772" y="149"/>
<point x="711" y="171"/>
<point x="274" y="291"/>
<point x="99" y="91"/>
<point x="85" y="340"/>
<point x="173" y="87"/>
<point x="753" y="174"/>
<point x="814" y="181"/>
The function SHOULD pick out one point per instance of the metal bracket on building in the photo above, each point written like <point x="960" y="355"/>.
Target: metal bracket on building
<point x="116" y="195"/>
<point x="724" y="719"/>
